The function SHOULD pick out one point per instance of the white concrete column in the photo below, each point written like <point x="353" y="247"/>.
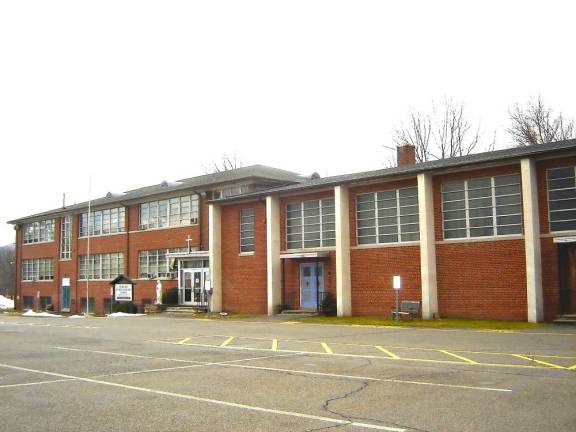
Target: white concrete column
<point x="273" y="266"/>
<point x="215" y="254"/>
<point x="343" y="284"/>
<point x="427" y="247"/>
<point x="532" y="240"/>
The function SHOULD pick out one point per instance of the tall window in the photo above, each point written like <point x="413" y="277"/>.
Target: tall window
<point x="102" y="222"/>
<point x="101" y="266"/>
<point x="36" y="232"/>
<point x="387" y="217"/>
<point x="155" y="263"/>
<point x="169" y="212"/>
<point x="247" y="230"/>
<point x="484" y="207"/>
<point x="65" y="237"/>
<point x="310" y="224"/>
<point x="37" y="269"/>
<point x="562" y="199"/>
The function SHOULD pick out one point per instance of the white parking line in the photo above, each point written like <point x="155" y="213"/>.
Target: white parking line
<point x="35" y="383"/>
<point x="232" y="363"/>
<point x="211" y="401"/>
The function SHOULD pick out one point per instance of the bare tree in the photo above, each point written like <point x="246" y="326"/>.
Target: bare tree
<point x="7" y="275"/>
<point x="444" y="133"/>
<point x="536" y="123"/>
<point x="226" y="163"/>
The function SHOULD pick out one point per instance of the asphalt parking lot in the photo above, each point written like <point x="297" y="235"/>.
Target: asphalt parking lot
<point x="162" y="374"/>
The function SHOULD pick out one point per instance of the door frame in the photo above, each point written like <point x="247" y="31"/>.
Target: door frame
<point x="203" y="273"/>
<point x="320" y="288"/>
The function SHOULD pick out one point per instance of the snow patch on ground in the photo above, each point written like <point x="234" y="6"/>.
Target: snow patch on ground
<point x="123" y="314"/>
<point x="6" y="303"/>
<point x="77" y="316"/>
<point x="31" y="313"/>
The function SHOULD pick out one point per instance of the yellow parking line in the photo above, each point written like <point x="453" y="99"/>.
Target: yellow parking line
<point x="572" y="367"/>
<point x="274" y="344"/>
<point x="385" y="351"/>
<point x="326" y="348"/>
<point x="291" y="322"/>
<point x="183" y="341"/>
<point x="539" y="361"/>
<point x="227" y="341"/>
<point x="467" y="360"/>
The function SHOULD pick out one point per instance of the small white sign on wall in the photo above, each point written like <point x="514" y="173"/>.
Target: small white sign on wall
<point x="66" y="282"/>
<point x="123" y="292"/>
<point x="396" y="282"/>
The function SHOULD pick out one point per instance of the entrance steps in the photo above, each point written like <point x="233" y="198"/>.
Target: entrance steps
<point x="567" y="319"/>
<point x="299" y="312"/>
<point x="183" y="310"/>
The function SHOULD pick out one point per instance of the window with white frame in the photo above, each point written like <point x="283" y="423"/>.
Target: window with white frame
<point x="37" y="269"/>
<point x="246" y="230"/>
<point x="103" y="222"/>
<point x="101" y="266"/>
<point x="65" y="237"/>
<point x="562" y="198"/>
<point x="310" y="224"/>
<point x="154" y="264"/>
<point x="169" y="212"/>
<point x="37" y="232"/>
<point x="483" y="207"/>
<point x="387" y="217"/>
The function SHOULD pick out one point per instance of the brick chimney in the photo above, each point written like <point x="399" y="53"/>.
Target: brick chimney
<point x="405" y="154"/>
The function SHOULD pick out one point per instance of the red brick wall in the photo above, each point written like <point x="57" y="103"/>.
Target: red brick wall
<point x="482" y="280"/>
<point x="39" y="250"/>
<point x="372" y="267"/>
<point x="371" y="276"/>
<point x="479" y="279"/>
<point x="129" y="243"/>
<point x="243" y="276"/>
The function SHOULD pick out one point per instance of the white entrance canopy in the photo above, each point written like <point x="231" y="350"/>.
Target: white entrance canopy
<point x="297" y="255"/>
<point x="190" y="255"/>
<point x="564" y="239"/>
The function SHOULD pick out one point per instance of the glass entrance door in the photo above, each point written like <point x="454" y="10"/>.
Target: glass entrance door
<point x="192" y="290"/>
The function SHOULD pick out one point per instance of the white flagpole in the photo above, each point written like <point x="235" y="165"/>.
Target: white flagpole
<point x="88" y="246"/>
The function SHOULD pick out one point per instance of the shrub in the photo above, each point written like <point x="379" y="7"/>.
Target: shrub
<point x="329" y="305"/>
<point x="126" y="307"/>
<point x="170" y="296"/>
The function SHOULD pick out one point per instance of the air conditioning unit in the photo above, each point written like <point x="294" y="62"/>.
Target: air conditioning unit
<point x="194" y="220"/>
<point x="143" y="227"/>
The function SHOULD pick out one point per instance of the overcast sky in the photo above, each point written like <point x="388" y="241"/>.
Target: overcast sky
<point x="133" y="93"/>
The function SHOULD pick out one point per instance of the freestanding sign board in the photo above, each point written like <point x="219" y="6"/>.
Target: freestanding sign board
<point x="122" y="289"/>
<point x="123" y="292"/>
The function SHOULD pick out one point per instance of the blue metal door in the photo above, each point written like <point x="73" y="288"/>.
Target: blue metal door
<point x="65" y="301"/>
<point x="311" y="284"/>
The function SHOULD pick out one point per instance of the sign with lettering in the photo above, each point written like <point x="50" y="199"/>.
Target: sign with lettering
<point x="123" y="292"/>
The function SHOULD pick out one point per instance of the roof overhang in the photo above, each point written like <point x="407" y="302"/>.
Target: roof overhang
<point x="189" y="255"/>
<point x="298" y="255"/>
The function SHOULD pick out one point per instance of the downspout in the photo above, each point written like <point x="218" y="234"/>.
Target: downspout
<point x="17" y="278"/>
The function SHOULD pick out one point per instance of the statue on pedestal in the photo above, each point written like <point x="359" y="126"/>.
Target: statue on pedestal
<point x="158" y="292"/>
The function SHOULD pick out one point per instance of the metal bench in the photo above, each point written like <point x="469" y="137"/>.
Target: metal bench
<point x="408" y="309"/>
